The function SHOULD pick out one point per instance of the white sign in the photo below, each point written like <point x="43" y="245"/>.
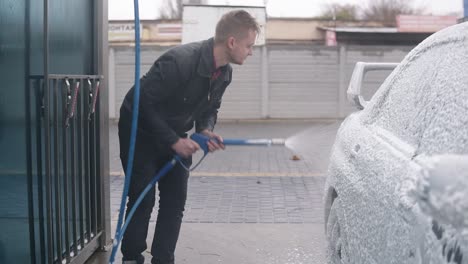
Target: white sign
<point x="123" y="31"/>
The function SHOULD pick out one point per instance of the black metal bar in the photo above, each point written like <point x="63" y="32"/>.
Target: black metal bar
<point x="92" y="160"/>
<point x="81" y="170"/>
<point x="99" y="183"/>
<point x="50" y="255"/>
<point x="97" y="120"/>
<point x="58" y="211"/>
<point x="73" y="175"/>
<point x="96" y="168"/>
<point x="63" y="94"/>
<point x="48" y="165"/>
<point x="39" y="107"/>
<point x="87" y="168"/>
<point x="95" y="193"/>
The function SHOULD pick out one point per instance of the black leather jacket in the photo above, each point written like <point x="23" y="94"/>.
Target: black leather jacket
<point x="177" y="92"/>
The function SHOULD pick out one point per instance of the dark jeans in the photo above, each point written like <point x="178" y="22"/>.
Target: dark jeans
<point x="172" y="195"/>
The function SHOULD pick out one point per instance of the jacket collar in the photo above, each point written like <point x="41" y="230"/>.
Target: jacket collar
<point x="206" y="65"/>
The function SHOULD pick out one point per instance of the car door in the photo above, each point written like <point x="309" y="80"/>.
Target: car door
<point x="380" y="219"/>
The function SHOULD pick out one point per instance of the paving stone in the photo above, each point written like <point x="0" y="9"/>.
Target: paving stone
<point x="227" y="199"/>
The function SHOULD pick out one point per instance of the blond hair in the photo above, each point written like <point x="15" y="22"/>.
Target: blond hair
<point x="236" y="24"/>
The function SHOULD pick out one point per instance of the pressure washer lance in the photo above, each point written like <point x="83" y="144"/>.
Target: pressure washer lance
<point x="202" y="141"/>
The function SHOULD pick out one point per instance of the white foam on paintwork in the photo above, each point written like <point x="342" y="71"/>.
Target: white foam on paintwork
<point x="442" y="190"/>
<point x="420" y="110"/>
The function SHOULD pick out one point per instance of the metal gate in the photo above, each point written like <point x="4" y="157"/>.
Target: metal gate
<point x="64" y="181"/>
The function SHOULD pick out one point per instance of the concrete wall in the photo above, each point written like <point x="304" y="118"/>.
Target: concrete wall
<point x="294" y="30"/>
<point x="278" y="81"/>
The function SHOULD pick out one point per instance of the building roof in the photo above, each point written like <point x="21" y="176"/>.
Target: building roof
<point x="361" y="29"/>
<point x="224" y="6"/>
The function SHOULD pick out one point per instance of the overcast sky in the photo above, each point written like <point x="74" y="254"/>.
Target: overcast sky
<point x="149" y="9"/>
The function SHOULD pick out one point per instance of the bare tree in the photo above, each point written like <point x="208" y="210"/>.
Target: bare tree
<point x="172" y="9"/>
<point x="340" y="12"/>
<point x="387" y="10"/>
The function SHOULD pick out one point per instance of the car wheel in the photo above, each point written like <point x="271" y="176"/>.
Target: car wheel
<point x="336" y="249"/>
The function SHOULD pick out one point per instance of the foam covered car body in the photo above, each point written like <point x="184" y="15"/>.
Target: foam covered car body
<point x="390" y="186"/>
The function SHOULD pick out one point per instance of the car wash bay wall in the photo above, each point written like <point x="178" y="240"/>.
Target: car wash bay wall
<point x="52" y="172"/>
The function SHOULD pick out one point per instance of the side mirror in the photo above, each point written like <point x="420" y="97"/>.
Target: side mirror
<point x="354" y="89"/>
<point x="442" y="191"/>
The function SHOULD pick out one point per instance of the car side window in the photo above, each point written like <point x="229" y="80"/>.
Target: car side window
<point x="404" y="103"/>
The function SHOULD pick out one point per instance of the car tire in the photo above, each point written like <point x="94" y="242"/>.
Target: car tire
<point x="336" y="242"/>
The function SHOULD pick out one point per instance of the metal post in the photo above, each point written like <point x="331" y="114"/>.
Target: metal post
<point x="87" y="176"/>
<point x="81" y="171"/>
<point x="57" y="184"/>
<point x="92" y="163"/>
<point x="73" y="175"/>
<point x="39" y="92"/>
<point x="28" y="101"/>
<point x="64" y="96"/>
<point x="102" y="118"/>
<point x="48" y="170"/>
<point x="265" y="86"/>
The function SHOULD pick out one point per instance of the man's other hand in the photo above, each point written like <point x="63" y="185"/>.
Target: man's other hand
<point x="185" y="147"/>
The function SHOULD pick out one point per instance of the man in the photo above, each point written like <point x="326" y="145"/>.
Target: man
<point x="183" y="88"/>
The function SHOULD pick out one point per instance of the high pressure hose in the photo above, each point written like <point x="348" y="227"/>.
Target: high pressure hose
<point x="131" y="152"/>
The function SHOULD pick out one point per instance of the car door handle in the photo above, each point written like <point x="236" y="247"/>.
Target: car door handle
<point x="356" y="149"/>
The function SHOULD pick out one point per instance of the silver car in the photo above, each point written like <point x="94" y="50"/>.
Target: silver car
<point x="397" y="185"/>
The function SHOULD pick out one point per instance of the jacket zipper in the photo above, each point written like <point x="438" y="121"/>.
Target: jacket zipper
<point x="209" y="90"/>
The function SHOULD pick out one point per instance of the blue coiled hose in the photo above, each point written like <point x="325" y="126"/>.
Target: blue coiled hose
<point x="136" y="101"/>
<point x="119" y="236"/>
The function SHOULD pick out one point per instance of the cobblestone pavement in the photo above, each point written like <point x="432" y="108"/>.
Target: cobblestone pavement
<point x="245" y="184"/>
<point x="228" y="199"/>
